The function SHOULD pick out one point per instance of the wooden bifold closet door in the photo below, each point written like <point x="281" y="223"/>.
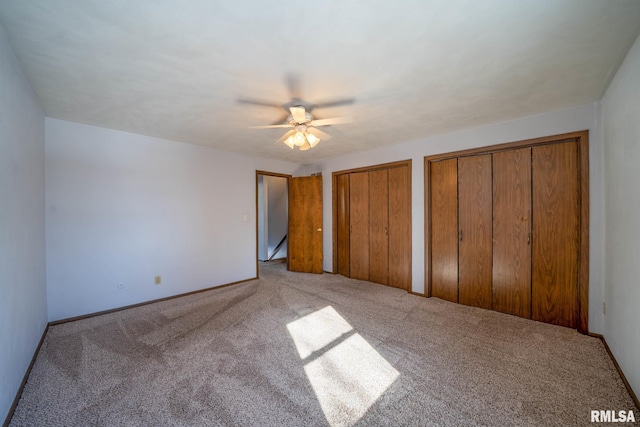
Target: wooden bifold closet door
<point x="555" y="234"/>
<point x="512" y="232"/>
<point x="461" y="230"/>
<point x="342" y="228"/>
<point x="474" y="229"/>
<point x="444" y="229"/>
<point x="374" y="205"/>
<point x="359" y="225"/>
<point x="379" y="226"/>
<point x="505" y="229"/>
<point x="400" y="228"/>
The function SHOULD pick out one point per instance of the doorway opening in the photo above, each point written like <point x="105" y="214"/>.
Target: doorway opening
<point x="272" y="217"/>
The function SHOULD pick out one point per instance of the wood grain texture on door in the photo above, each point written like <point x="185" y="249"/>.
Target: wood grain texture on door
<point x="379" y="226"/>
<point x="511" y="232"/>
<point x="444" y="229"/>
<point x="342" y="230"/>
<point x="556" y="220"/>
<point x="400" y="228"/>
<point x="305" y="224"/>
<point x="540" y="227"/>
<point x="475" y="230"/>
<point x="359" y="225"/>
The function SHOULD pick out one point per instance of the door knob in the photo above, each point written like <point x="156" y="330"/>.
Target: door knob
<point x="319" y="229"/>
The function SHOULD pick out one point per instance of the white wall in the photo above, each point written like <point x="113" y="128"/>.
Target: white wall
<point x="123" y="208"/>
<point x="621" y="122"/>
<point x="23" y="294"/>
<point x="575" y="119"/>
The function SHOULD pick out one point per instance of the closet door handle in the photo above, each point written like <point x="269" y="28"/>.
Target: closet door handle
<point x="460" y="235"/>
<point x="529" y="238"/>
<point x="386" y="231"/>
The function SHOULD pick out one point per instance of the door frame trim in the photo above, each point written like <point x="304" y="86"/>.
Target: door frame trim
<point x="582" y="139"/>
<point x="280" y="175"/>
<point x="334" y="206"/>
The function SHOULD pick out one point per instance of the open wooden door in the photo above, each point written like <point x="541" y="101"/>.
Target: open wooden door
<point x="305" y="224"/>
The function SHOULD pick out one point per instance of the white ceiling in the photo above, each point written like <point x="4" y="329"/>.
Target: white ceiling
<point x="414" y="69"/>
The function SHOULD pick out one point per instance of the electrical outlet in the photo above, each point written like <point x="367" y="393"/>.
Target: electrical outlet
<point x="604" y="308"/>
<point x="121" y="286"/>
<point x="158" y="280"/>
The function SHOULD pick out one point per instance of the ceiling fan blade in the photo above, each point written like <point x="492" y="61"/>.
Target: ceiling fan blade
<point x="335" y="103"/>
<point x="270" y="127"/>
<point x="287" y="135"/>
<point x="258" y="102"/>
<point x="282" y="120"/>
<point x="331" y="121"/>
<point x="318" y="133"/>
<point x="298" y="114"/>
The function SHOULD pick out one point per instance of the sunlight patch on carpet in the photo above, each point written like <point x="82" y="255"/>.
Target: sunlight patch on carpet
<point x="315" y="331"/>
<point x="347" y="374"/>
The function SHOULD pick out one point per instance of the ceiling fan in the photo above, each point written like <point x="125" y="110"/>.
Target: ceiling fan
<point x="304" y="133"/>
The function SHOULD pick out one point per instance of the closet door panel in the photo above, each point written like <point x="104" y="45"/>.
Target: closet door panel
<point x="444" y="230"/>
<point x="342" y="237"/>
<point x="475" y="230"/>
<point x="511" y="232"/>
<point x="359" y="225"/>
<point x="556" y="224"/>
<point x="379" y="226"/>
<point x="400" y="228"/>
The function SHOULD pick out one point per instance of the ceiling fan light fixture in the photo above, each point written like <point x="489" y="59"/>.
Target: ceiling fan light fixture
<point x="305" y="146"/>
<point x="312" y="140"/>
<point x="289" y="142"/>
<point x="303" y="132"/>
<point x="299" y="139"/>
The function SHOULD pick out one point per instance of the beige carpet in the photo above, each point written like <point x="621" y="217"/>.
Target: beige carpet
<point x="315" y="350"/>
